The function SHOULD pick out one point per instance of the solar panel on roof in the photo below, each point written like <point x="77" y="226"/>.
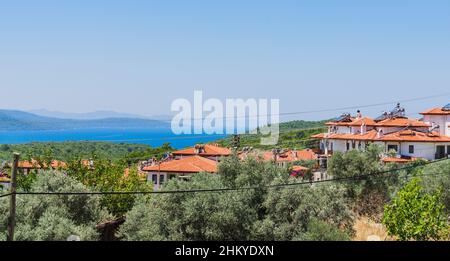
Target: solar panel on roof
<point x="343" y="117"/>
<point x="383" y="116"/>
<point x="397" y="111"/>
<point x="446" y="107"/>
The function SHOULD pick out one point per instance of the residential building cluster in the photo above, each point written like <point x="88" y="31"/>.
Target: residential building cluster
<point x="403" y="139"/>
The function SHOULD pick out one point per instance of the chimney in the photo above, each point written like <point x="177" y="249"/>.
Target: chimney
<point x="380" y="133"/>
<point x="358" y="114"/>
<point x="363" y="128"/>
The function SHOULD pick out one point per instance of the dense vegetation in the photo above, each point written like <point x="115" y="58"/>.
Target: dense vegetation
<point x="259" y="214"/>
<point x="324" y="211"/>
<point x="54" y="217"/>
<point x="69" y="150"/>
<point x="417" y="215"/>
<point x="411" y="200"/>
<point x="293" y="134"/>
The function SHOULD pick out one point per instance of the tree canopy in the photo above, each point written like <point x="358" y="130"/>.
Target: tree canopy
<point x="51" y="217"/>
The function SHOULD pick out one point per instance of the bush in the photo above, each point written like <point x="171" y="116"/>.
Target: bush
<point x="260" y="213"/>
<point x="54" y="217"/>
<point x="416" y="215"/>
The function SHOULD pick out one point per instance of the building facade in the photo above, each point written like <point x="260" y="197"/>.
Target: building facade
<point x="396" y="133"/>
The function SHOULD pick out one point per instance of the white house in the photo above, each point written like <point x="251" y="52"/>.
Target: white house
<point x="438" y="118"/>
<point x="410" y="138"/>
<point x="182" y="168"/>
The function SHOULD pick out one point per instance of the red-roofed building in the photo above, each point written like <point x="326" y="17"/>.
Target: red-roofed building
<point x="28" y="165"/>
<point x="439" y="119"/>
<point x="299" y="171"/>
<point x="178" y="168"/>
<point x="398" y="160"/>
<point x="408" y="137"/>
<point x="281" y="157"/>
<point x="210" y="151"/>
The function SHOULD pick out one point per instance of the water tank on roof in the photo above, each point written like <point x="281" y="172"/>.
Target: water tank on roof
<point x="446" y="107"/>
<point x="344" y="117"/>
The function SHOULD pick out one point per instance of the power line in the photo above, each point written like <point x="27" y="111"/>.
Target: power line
<point x="354" y="178"/>
<point x="213" y="135"/>
<point x="335" y="109"/>
<point x="5" y="195"/>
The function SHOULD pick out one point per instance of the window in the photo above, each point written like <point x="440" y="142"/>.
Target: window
<point x="161" y="179"/>
<point x="154" y="178"/>
<point x="440" y="152"/>
<point x="411" y="149"/>
<point x="448" y="150"/>
<point x="392" y="147"/>
<point x="348" y="146"/>
<point x="353" y="144"/>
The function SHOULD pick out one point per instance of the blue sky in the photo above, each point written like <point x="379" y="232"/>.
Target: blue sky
<point x="138" y="56"/>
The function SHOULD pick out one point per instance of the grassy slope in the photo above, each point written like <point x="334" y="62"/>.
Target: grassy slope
<point x="69" y="150"/>
<point x="292" y="135"/>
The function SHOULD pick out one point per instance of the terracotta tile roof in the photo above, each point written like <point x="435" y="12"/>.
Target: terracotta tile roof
<point x="33" y="164"/>
<point x="354" y="122"/>
<point x="401" y="122"/>
<point x="398" y="160"/>
<point x="372" y="135"/>
<point x="435" y="111"/>
<point x="411" y="135"/>
<point x="208" y="150"/>
<point x="193" y="164"/>
<point x="299" y="168"/>
<point x="369" y="135"/>
<point x="290" y="155"/>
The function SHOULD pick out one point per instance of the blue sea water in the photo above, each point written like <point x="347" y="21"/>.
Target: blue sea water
<point x="150" y="137"/>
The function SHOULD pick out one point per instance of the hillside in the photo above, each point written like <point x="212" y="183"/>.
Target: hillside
<point x="293" y="134"/>
<point x="70" y="150"/>
<point x="11" y="120"/>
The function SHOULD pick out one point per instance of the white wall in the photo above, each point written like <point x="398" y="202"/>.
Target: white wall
<point x="421" y="150"/>
<point x="426" y="150"/>
<point x="442" y="120"/>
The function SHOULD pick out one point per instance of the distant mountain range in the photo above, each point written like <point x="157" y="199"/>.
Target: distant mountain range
<point x="13" y="120"/>
<point x="95" y="115"/>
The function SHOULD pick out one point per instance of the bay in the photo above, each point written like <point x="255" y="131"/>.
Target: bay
<point x="152" y="137"/>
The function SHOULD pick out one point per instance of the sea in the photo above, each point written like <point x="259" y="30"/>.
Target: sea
<point x="152" y="137"/>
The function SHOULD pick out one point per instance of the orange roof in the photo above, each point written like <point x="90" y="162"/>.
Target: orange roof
<point x="401" y="136"/>
<point x="299" y="168"/>
<point x="5" y="179"/>
<point x="369" y="135"/>
<point x="34" y="164"/>
<point x="291" y="155"/>
<point x="435" y="111"/>
<point x="411" y="135"/>
<point x="354" y="122"/>
<point x="401" y="122"/>
<point x="194" y="164"/>
<point x="398" y="160"/>
<point x="208" y="150"/>
<point x="360" y="121"/>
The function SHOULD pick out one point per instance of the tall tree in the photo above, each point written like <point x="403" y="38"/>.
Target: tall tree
<point x="416" y="215"/>
<point x="51" y="217"/>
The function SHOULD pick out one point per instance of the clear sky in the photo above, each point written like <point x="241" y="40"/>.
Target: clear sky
<point x="137" y="56"/>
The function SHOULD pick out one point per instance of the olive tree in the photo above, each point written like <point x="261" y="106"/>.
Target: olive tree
<point x="54" y="217"/>
<point x="191" y="216"/>
<point x="415" y="214"/>
<point x="291" y="211"/>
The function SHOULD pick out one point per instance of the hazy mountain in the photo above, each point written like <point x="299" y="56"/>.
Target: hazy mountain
<point x="85" y="116"/>
<point x="12" y="120"/>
